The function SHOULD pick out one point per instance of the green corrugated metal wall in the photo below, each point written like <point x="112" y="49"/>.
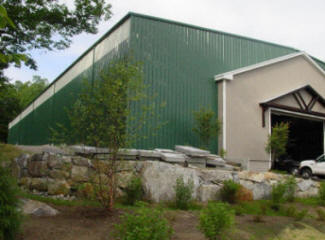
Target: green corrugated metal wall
<point x="180" y="62"/>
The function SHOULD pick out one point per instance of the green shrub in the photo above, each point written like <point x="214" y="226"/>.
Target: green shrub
<point x="134" y="191"/>
<point x="321" y="193"/>
<point x="145" y="224"/>
<point x="278" y="195"/>
<point x="228" y="193"/>
<point x="86" y="191"/>
<point x="10" y="217"/>
<point x="215" y="219"/>
<point x="291" y="186"/>
<point x="183" y="193"/>
<point x="283" y="192"/>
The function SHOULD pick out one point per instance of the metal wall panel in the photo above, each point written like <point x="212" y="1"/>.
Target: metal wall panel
<point x="180" y="62"/>
<point x="107" y="45"/>
<point x="50" y="108"/>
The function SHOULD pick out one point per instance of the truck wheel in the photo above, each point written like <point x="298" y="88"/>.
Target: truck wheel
<point x="306" y="173"/>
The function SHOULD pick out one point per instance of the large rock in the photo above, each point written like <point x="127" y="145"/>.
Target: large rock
<point x="79" y="174"/>
<point x="58" y="187"/>
<point x="259" y="177"/>
<point x="32" y="207"/>
<point x="216" y="176"/>
<point x="124" y="178"/>
<point x="259" y="190"/>
<point x="37" y="166"/>
<point x="304" y="185"/>
<point x="149" y="155"/>
<point x="173" y="157"/>
<point x="192" y="151"/>
<point x="159" y="179"/>
<point x="39" y="184"/>
<point x="80" y="161"/>
<point x="58" y="174"/>
<point x="208" y="192"/>
<point x="22" y="160"/>
<point x="55" y="162"/>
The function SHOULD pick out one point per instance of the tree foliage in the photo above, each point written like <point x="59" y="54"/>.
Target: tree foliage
<point x="6" y="57"/>
<point x="102" y="117"/>
<point x="278" y="140"/>
<point x="206" y="126"/>
<point x="28" y="91"/>
<point x="46" y="24"/>
<point x="15" y="97"/>
<point x="9" y="108"/>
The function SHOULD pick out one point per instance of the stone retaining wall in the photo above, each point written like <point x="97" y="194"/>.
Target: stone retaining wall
<point x="57" y="174"/>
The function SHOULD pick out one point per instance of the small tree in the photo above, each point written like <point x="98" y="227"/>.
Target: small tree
<point x="206" y="126"/>
<point x="102" y="117"/>
<point x="277" y="141"/>
<point x="183" y="193"/>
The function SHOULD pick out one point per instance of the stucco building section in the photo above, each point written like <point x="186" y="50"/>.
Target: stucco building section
<point x="245" y="135"/>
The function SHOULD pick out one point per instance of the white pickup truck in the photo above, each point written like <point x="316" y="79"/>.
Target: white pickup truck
<point x="311" y="167"/>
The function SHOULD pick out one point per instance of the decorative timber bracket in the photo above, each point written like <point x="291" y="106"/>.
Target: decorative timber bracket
<point x="301" y="100"/>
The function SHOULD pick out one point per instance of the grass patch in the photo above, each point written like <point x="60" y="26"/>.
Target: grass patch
<point x="310" y="201"/>
<point x="60" y="202"/>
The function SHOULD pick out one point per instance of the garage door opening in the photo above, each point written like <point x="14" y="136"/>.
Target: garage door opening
<point x="306" y="137"/>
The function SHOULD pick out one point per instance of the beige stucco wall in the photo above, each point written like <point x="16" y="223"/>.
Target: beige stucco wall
<point x="245" y="136"/>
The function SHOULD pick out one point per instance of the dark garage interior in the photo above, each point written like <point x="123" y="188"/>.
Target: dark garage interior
<point x="306" y="140"/>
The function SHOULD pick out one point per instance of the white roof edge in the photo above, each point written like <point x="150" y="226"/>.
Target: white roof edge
<point x="267" y="63"/>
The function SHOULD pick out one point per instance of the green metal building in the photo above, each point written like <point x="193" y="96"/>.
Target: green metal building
<point x="180" y="62"/>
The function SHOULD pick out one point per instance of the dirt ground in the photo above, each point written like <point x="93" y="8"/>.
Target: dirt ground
<point x="86" y="223"/>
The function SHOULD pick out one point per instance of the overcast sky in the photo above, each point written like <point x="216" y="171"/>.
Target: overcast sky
<point x="295" y="23"/>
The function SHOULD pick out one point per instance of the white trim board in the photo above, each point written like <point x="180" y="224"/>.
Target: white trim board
<point x="230" y="75"/>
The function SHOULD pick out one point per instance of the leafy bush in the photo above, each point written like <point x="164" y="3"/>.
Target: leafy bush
<point x="145" y="224"/>
<point x="86" y="191"/>
<point x="321" y="193"/>
<point x="183" y="197"/>
<point x="207" y="126"/>
<point x="277" y="195"/>
<point x="278" y="140"/>
<point x="291" y="186"/>
<point x="228" y="193"/>
<point x="215" y="219"/>
<point x="134" y="191"/>
<point x="10" y="217"/>
<point x="283" y="191"/>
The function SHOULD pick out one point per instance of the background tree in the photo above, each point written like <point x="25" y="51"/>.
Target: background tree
<point x="46" y="24"/>
<point x="9" y="108"/>
<point x="103" y="112"/>
<point x="28" y="91"/>
<point x="206" y="126"/>
<point x="15" y="97"/>
<point x="277" y="141"/>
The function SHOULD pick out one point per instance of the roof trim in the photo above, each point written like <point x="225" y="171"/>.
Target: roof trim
<point x="226" y="75"/>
